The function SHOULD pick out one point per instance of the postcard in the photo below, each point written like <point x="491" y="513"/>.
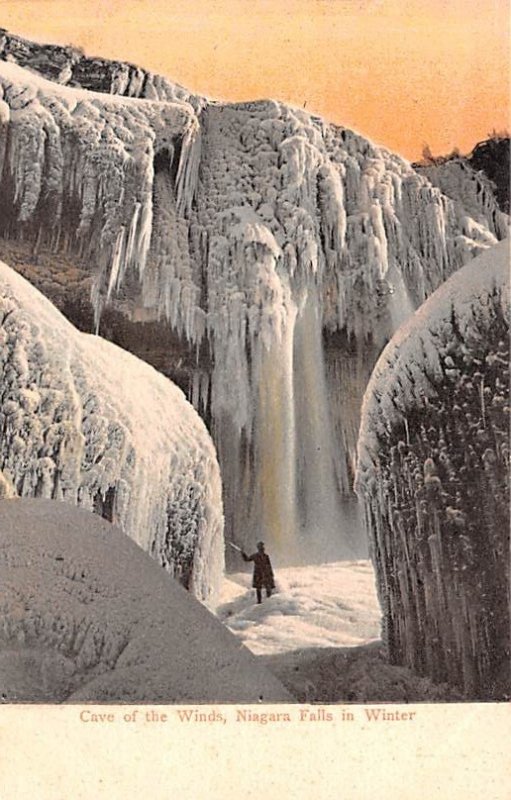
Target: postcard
<point x="254" y="399"/>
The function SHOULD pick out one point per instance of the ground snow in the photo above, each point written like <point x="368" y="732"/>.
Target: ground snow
<point x="353" y="675"/>
<point x="320" y="636"/>
<point x="325" y="605"/>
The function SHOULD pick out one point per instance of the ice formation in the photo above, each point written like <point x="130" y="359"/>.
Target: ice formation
<point x="287" y="248"/>
<point x="87" y="423"/>
<point x="86" y="616"/>
<point x="458" y="180"/>
<point x="434" y="475"/>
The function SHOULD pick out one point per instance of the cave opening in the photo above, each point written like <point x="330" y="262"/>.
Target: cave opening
<point x="104" y="504"/>
<point x="166" y="160"/>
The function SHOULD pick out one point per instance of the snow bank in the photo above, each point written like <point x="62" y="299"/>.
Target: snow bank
<point x="353" y="675"/>
<point x="434" y="475"/>
<point x="85" y="422"/>
<point x="415" y="346"/>
<point x="86" y="616"/>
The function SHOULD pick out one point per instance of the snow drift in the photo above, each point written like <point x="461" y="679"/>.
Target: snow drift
<point x="286" y="249"/>
<point x="434" y="474"/>
<point x="86" y="616"/>
<point x="85" y="422"/>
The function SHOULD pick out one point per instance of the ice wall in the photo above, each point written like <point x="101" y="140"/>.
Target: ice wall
<point x="87" y="423"/>
<point x="309" y="234"/>
<point x="290" y="248"/>
<point x="434" y="476"/>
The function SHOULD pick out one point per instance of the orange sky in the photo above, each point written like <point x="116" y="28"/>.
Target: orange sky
<point x="403" y="72"/>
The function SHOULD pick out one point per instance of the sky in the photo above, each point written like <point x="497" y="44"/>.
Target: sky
<point x="405" y="73"/>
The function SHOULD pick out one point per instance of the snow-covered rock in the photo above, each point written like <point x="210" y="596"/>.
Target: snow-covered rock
<point x="69" y="66"/>
<point x="86" y="616"/>
<point x="287" y="248"/>
<point x="434" y="474"/>
<point x="457" y="179"/>
<point x="85" y="422"/>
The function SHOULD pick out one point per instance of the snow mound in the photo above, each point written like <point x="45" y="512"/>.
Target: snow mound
<point x="353" y="675"/>
<point x="86" y="616"/>
<point x="434" y="476"/>
<point x="85" y="422"/>
<point x="325" y="605"/>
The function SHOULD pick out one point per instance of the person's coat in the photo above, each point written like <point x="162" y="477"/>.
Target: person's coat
<point x="263" y="572"/>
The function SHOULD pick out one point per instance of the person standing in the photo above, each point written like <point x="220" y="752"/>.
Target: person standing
<point x="263" y="572"/>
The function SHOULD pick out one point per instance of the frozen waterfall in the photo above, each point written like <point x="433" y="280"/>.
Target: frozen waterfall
<point x="282" y="251"/>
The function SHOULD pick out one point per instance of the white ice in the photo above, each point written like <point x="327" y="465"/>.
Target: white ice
<point x="403" y="362"/>
<point x="86" y="616"/>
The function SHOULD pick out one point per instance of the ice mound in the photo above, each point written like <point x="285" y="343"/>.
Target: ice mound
<point x="88" y="423"/>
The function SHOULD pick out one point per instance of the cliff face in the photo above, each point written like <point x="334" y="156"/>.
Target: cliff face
<point x="69" y="66"/>
<point x="87" y="423"/>
<point x="274" y="252"/>
<point x="492" y="158"/>
<point x="434" y="476"/>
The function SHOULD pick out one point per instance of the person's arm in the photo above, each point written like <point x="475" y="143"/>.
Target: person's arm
<point x="247" y="558"/>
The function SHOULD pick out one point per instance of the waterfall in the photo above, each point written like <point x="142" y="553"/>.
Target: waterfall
<point x="287" y="493"/>
<point x="275" y="445"/>
<point x="325" y="528"/>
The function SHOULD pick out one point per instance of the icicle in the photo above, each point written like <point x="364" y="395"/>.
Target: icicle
<point x="188" y="169"/>
<point x="117" y="261"/>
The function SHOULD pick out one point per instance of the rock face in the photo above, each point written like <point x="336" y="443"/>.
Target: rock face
<point x="69" y="66"/>
<point x="492" y="158"/>
<point x="434" y="476"/>
<point x="86" y="616"/>
<point x="85" y="422"/>
<point x="281" y="253"/>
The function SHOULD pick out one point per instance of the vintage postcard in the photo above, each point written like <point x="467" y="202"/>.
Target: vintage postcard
<point x="254" y="399"/>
